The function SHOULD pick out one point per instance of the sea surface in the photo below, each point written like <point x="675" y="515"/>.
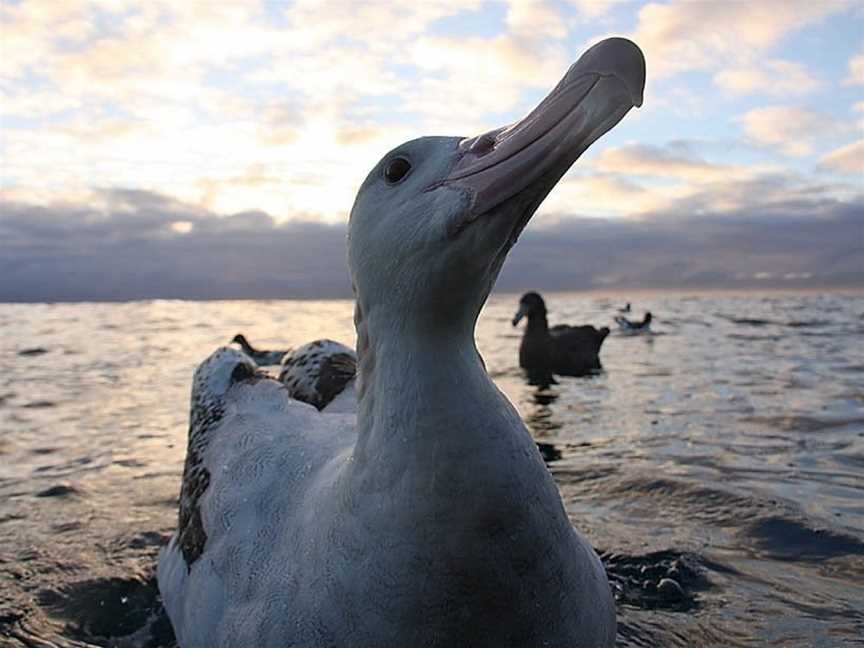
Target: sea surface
<point x="724" y="452"/>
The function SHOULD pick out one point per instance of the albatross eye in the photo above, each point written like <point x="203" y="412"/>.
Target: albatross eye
<point x="396" y="169"/>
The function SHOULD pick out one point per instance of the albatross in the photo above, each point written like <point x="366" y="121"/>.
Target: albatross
<point x="427" y="516"/>
<point x="563" y="349"/>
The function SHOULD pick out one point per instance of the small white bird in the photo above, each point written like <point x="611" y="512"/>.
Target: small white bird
<point x="629" y="326"/>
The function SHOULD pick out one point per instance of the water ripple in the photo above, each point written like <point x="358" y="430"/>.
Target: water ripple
<point x="725" y="453"/>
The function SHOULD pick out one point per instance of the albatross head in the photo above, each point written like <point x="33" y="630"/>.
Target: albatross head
<point x="435" y="218"/>
<point x="530" y="305"/>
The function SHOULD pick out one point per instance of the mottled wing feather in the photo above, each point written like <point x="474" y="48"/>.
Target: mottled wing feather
<point x="212" y="379"/>
<point x="317" y="372"/>
<point x="252" y="454"/>
<point x="336" y="371"/>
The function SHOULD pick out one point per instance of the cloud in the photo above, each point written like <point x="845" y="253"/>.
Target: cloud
<point x="799" y="242"/>
<point x="127" y="51"/>
<point x="637" y="180"/>
<point x="744" y="190"/>
<point x="656" y="161"/>
<point x="488" y="75"/>
<point x="536" y="19"/>
<point x="708" y="35"/>
<point x="764" y="195"/>
<point x="641" y="180"/>
<point x="788" y="128"/>
<point x="281" y="107"/>
<point x="479" y="76"/>
<point x="140" y="245"/>
<point x="846" y="159"/>
<point x="379" y="24"/>
<point x="599" y="195"/>
<point x="592" y="8"/>
<point x="773" y="77"/>
<point x="856" y="70"/>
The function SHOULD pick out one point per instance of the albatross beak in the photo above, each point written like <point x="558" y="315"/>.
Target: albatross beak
<point x="518" y="316"/>
<point x="594" y="95"/>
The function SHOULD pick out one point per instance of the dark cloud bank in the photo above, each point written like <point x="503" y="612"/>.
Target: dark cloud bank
<point x="128" y="250"/>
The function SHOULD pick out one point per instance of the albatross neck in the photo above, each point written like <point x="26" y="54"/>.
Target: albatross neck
<point x="244" y="344"/>
<point x="538" y="322"/>
<point x="421" y="382"/>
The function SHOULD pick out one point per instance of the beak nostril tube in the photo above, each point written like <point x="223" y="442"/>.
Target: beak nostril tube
<point x="482" y="145"/>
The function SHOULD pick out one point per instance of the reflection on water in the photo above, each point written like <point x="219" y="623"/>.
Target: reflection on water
<point x="718" y="464"/>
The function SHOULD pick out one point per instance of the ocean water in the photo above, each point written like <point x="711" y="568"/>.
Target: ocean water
<point x="724" y="452"/>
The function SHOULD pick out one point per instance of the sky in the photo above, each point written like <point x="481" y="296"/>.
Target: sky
<point x="213" y="149"/>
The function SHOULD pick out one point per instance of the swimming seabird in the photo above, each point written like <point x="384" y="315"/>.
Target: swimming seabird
<point x="261" y="358"/>
<point x="426" y="518"/>
<point x="563" y="350"/>
<point x="626" y="308"/>
<point x="629" y="326"/>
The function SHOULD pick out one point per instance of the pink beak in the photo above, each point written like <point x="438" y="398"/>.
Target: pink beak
<point x="594" y="95"/>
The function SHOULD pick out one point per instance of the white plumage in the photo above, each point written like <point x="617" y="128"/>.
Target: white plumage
<point x="629" y="327"/>
<point x="260" y="449"/>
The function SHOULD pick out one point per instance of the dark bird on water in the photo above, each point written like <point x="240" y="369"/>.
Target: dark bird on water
<point x="564" y="350"/>
<point x="261" y="357"/>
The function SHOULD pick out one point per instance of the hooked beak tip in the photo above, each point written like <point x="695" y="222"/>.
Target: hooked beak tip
<point x="618" y="57"/>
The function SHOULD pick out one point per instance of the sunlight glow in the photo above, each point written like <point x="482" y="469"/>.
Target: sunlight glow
<point x="284" y="107"/>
